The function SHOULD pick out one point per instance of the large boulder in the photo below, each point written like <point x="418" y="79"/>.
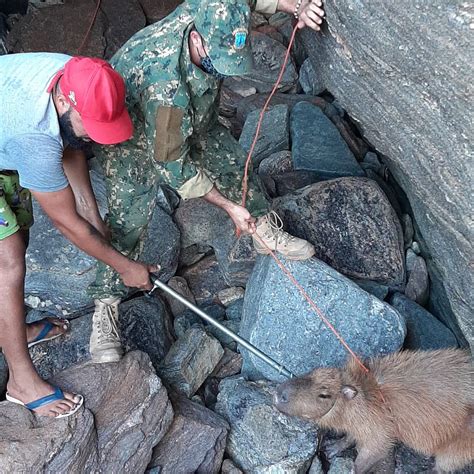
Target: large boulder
<point x="127" y="412"/>
<point x="279" y="321"/>
<point x="408" y="86"/>
<point x="130" y="405"/>
<point x="58" y="273"/>
<point x="39" y="444"/>
<point x="352" y="225"/>
<point x="195" y="441"/>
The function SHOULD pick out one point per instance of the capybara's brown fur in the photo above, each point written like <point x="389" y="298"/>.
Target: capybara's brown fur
<point x="424" y="399"/>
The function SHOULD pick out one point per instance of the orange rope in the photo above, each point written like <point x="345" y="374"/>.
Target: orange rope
<point x="86" y="37"/>
<point x="244" y="197"/>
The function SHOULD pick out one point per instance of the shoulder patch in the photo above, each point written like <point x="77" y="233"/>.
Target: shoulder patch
<point x="240" y="38"/>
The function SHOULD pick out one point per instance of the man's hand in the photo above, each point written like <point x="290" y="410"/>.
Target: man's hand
<point x="137" y="275"/>
<point x="311" y="14"/>
<point x="242" y="219"/>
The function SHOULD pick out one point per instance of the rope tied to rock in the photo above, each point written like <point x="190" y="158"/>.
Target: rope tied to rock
<point x="284" y="269"/>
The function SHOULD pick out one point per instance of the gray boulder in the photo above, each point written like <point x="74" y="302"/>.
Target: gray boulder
<point x="310" y="80"/>
<point x="318" y="146"/>
<point x="424" y="331"/>
<point x="195" y="441"/>
<point x="351" y="224"/>
<point x="277" y="163"/>
<point x="268" y="55"/>
<point x="130" y="405"/>
<point x="39" y="444"/>
<point x="418" y="284"/>
<point x="280" y="322"/>
<point x="205" y="224"/>
<point x="274" y="133"/>
<point x="261" y="439"/>
<point x="413" y="105"/>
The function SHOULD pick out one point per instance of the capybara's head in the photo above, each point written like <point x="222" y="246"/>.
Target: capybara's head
<point x="311" y="396"/>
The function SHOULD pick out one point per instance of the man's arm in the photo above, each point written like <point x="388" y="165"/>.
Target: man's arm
<point x="77" y="172"/>
<point x="311" y="13"/>
<point x="60" y="207"/>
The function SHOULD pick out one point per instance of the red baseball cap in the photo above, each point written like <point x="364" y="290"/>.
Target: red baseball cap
<point x="97" y="92"/>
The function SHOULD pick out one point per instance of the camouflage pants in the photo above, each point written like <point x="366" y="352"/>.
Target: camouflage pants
<point x="132" y="178"/>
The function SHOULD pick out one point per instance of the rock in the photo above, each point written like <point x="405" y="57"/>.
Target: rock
<point x="290" y="182"/>
<point x="39" y="30"/>
<point x="144" y="325"/>
<point x="310" y="80"/>
<point x="277" y="163"/>
<point x="205" y="280"/>
<point x="316" y="467"/>
<point x="239" y="86"/>
<point x="189" y="319"/>
<point x="195" y="441"/>
<point x="230" y="295"/>
<point x="224" y="339"/>
<point x="131" y="409"/>
<point x="190" y="360"/>
<point x="410" y="260"/>
<point x="319" y="147"/>
<point x="205" y="224"/>
<point x="279" y="321"/>
<point x="412" y="109"/>
<point x="341" y="466"/>
<point x="230" y="364"/>
<point x="39" y="444"/>
<point x="410" y="462"/>
<point x="417" y="288"/>
<point x="180" y="285"/>
<point x="408" y="231"/>
<point x="234" y="311"/>
<point x="192" y="254"/>
<point x="424" y="331"/>
<point x="374" y="288"/>
<point x="228" y="467"/>
<point x="274" y="133"/>
<point x="257" y="19"/>
<point x="268" y="56"/>
<point x="13" y="6"/>
<point x="261" y="439"/>
<point x="210" y="390"/>
<point x="352" y="226"/>
<point x="272" y="32"/>
<point x="52" y="260"/>
<point x="156" y="11"/>
<point x="415" y="246"/>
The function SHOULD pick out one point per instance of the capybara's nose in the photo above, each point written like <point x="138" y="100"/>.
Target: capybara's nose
<point x="282" y="395"/>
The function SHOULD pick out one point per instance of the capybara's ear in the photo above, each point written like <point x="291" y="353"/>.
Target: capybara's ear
<point x="349" y="392"/>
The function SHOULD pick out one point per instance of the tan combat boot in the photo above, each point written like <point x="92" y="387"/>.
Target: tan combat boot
<point x="105" y="345"/>
<point x="270" y="230"/>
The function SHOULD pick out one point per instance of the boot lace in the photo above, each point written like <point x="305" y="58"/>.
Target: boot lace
<point x="276" y="229"/>
<point x="107" y="324"/>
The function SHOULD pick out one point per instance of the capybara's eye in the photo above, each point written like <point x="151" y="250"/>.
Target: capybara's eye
<point x="324" y="395"/>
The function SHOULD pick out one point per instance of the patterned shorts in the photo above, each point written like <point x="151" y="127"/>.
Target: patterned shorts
<point x="15" y="205"/>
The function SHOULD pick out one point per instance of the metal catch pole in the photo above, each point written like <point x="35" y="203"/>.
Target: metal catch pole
<point x="250" y="347"/>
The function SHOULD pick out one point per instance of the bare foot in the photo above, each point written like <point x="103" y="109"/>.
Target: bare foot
<point x="61" y="326"/>
<point x="34" y="390"/>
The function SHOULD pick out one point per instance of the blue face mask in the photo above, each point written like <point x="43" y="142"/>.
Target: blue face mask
<point x="207" y="66"/>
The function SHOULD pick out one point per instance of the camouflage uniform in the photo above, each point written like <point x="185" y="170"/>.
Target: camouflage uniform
<point x="174" y="108"/>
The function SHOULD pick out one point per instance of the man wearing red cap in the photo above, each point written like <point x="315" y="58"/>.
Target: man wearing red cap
<point x="51" y="105"/>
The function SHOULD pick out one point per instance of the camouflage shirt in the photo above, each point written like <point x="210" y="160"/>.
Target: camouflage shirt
<point x="171" y="101"/>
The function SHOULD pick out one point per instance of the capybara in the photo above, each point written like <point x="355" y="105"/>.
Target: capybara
<point x="425" y="399"/>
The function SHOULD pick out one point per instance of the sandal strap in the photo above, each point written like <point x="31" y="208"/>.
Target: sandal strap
<point x="44" y="332"/>
<point x="57" y="395"/>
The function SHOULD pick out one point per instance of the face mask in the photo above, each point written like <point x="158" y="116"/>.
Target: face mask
<point x="208" y="67"/>
<point x="67" y="132"/>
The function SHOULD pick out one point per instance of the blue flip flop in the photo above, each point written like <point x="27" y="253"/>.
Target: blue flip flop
<point x="41" y="402"/>
<point x="41" y="337"/>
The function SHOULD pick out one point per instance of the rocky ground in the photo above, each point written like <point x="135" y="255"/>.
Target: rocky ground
<point x="185" y="398"/>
